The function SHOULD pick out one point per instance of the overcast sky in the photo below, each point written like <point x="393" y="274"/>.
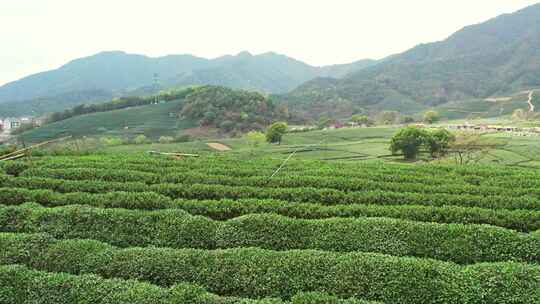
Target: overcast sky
<point x="38" y="35"/>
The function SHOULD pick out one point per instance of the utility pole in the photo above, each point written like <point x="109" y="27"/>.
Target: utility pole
<point x="156" y="87"/>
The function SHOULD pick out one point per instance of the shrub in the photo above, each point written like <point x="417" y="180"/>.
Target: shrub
<point x="462" y="244"/>
<point x="111" y="141"/>
<point x="431" y="117"/>
<point x="409" y="141"/>
<point x="140" y="139"/>
<point x="183" y="138"/>
<point x="15" y="167"/>
<point x="275" y="132"/>
<point x="439" y="141"/>
<point x="257" y="273"/>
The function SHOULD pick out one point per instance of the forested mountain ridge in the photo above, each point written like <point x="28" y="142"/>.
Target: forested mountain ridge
<point x="499" y="56"/>
<point x="118" y="73"/>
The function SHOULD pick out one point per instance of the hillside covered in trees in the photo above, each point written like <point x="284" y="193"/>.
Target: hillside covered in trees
<point x="231" y="110"/>
<point x="113" y="74"/>
<point x="498" y="57"/>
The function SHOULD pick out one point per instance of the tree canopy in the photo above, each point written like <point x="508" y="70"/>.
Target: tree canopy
<point x="431" y="116"/>
<point x="231" y="110"/>
<point x="275" y="132"/>
<point x="411" y="140"/>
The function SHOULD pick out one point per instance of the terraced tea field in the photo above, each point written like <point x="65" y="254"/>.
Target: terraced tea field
<point x="119" y="228"/>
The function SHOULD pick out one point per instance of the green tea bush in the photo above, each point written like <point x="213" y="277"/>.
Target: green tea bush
<point x="21" y="285"/>
<point x="463" y="244"/>
<point x="257" y="273"/>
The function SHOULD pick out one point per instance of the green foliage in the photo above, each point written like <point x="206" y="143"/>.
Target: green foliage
<point x="153" y="120"/>
<point x="317" y="232"/>
<point x="255" y="138"/>
<point x="324" y="122"/>
<point x="7" y="149"/>
<point x="470" y="64"/>
<point x="463" y="244"/>
<point x="83" y="80"/>
<point x="111" y="141"/>
<point x="15" y="167"/>
<point x="362" y="120"/>
<point x="362" y="275"/>
<point x="117" y="104"/>
<point x="409" y="141"/>
<point x="182" y="138"/>
<point x="439" y="141"/>
<point x="140" y="139"/>
<point x="230" y="110"/>
<point x="407" y="119"/>
<point x="21" y="285"/>
<point x="388" y="117"/>
<point x="431" y="116"/>
<point x="275" y="132"/>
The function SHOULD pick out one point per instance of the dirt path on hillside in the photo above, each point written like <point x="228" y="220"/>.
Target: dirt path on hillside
<point x="531" y="105"/>
<point x="219" y="147"/>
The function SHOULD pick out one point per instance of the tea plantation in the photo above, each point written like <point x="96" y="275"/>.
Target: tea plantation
<point x="125" y="228"/>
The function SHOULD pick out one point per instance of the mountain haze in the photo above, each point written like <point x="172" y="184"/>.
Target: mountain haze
<point x="118" y="73"/>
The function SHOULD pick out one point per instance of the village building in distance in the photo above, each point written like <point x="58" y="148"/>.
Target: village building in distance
<point x="11" y="123"/>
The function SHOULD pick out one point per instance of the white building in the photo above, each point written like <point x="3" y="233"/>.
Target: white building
<point x="10" y="123"/>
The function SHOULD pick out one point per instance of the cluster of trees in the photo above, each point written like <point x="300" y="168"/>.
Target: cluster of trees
<point x="232" y="111"/>
<point x="394" y="117"/>
<point x="118" y="103"/>
<point x="411" y="140"/>
<point x="524" y="115"/>
<point x="141" y="139"/>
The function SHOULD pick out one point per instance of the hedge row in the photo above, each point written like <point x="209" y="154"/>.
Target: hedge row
<point x="463" y="244"/>
<point x="381" y="176"/>
<point x="521" y="220"/>
<point x="284" y="181"/>
<point x="49" y="198"/>
<point x="21" y="285"/>
<point x="233" y="161"/>
<point x="257" y="273"/>
<point x="351" y="170"/>
<point x="304" y="194"/>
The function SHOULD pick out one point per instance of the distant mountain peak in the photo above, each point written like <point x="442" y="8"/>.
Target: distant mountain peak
<point x="244" y="54"/>
<point x="117" y="73"/>
<point x="498" y="57"/>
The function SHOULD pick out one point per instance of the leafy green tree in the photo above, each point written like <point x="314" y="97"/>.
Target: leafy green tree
<point x="431" y="117"/>
<point x="324" y="122"/>
<point x="227" y="125"/>
<point x="388" y="117"/>
<point x="232" y="111"/>
<point x="409" y="141"/>
<point x="439" y="141"/>
<point x="362" y="120"/>
<point x="255" y="139"/>
<point x="140" y="139"/>
<point x="407" y="119"/>
<point x="111" y="141"/>
<point x="275" y="132"/>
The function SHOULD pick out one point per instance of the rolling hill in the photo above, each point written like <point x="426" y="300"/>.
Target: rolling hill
<point x="222" y="109"/>
<point x="111" y="74"/>
<point x="500" y="56"/>
<point x="152" y="120"/>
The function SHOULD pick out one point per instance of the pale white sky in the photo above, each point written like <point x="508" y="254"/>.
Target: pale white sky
<point x="38" y="35"/>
